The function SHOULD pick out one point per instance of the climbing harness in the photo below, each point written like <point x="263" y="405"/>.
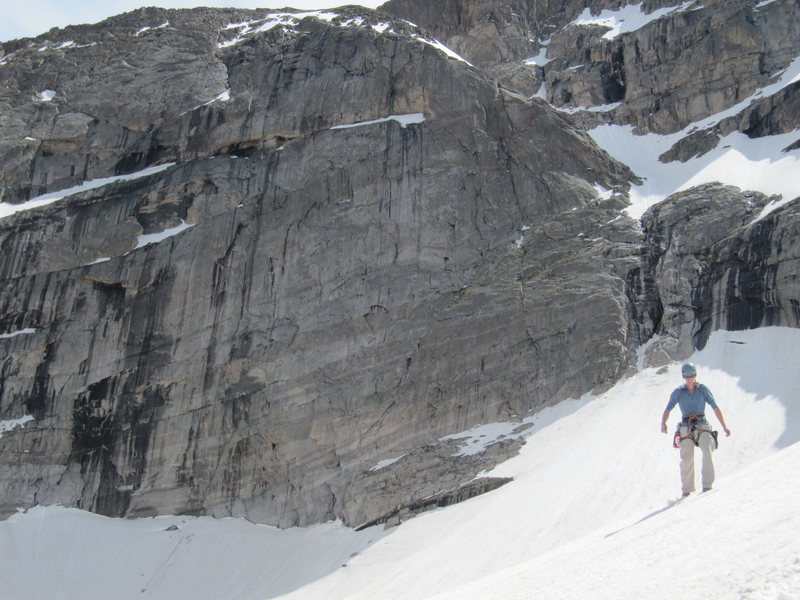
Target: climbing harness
<point x="692" y="422"/>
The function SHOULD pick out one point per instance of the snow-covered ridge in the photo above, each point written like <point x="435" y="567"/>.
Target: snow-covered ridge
<point x="752" y="164"/>
<point x="292" y="20"/>
<point x="755" y="164"/>
<point x="271" y="20"/>
<point x="7" y="209"/>
<point x="59" y="46"/>
<point x="626" y="19"/>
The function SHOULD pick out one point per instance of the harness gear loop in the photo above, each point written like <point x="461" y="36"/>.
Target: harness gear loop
<point x="692" y="421"/>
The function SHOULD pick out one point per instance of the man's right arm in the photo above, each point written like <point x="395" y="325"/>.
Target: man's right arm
<point x="664" y="418"/>
<point x="673" y="400"/>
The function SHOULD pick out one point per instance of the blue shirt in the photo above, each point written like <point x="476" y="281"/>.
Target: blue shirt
<point x="691" y="402"/>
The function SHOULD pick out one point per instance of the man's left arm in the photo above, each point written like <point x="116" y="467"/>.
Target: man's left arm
<point x="721" y="419"/>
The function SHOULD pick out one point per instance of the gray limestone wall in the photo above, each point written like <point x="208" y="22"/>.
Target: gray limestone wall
<point x="350" y="247"/>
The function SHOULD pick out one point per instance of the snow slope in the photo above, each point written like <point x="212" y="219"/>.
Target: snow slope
<point x="56" y="553"/>
<point x="591" y="513"/>
<point x="754" y="164"/>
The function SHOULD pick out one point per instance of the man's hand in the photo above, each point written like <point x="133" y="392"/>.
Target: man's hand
<point x="727" y="432"/>
<point x="664" y="428"/>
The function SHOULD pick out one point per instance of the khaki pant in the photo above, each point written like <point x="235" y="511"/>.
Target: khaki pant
<point x="702" y="434"/>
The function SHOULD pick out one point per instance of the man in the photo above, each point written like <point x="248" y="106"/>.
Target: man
<point x="693" y="429"/>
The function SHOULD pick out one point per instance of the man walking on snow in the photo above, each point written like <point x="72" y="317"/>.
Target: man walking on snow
<point x="693" y="428"/>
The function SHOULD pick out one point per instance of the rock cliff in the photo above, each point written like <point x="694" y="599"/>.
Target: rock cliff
<point x="270" y="262"/>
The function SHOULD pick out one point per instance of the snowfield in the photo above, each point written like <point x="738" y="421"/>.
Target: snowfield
<point x="752" y="164"/>
<point x="592" y="513"/>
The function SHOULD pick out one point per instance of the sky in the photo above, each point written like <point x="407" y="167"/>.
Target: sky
<point x="30" y="18"/>
<point x="593" y="512"/>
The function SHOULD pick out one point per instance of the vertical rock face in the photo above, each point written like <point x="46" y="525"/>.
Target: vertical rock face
<point x="685" y="62"/>
<point x="681" y="68"/>
<point x="661" y="67"/>
<point x="364" y="249"/>
<point x="306" y="248"/>
<point x="716" y="265"/>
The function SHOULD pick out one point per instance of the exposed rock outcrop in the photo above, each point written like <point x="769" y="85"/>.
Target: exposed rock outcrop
<point x="687" y="61"/>
<point x="716" y="263"/>
<point x="699" y="60"/>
